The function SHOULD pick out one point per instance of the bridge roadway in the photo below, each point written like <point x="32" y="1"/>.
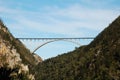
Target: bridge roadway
<point x="54" y="38"/>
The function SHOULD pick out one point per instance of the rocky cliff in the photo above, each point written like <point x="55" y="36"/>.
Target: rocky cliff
<point x="16" y="61"/>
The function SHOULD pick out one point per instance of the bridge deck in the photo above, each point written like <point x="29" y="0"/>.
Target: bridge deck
<point x="54" y="38"/>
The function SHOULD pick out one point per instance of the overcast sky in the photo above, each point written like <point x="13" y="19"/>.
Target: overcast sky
<point x="58" y="18"/>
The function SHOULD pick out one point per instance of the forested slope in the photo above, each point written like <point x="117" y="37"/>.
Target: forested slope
<point x="100" y="60"/>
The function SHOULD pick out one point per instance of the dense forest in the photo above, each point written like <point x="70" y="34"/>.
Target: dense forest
<point x="100" y="60"/>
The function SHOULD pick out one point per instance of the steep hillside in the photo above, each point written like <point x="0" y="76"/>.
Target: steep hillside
<point x="16" y="61"/>
<point x="100" y="60"/>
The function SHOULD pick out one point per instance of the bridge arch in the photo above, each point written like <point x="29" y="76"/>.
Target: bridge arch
<point x="55" y="41"/>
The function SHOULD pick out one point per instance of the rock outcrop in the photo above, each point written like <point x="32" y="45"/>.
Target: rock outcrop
<point x="16" y="61"/>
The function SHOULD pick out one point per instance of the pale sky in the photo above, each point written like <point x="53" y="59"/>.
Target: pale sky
<point x="57" y="18"/>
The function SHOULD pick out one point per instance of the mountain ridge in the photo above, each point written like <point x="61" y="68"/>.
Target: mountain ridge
<point x="97" y="61"/>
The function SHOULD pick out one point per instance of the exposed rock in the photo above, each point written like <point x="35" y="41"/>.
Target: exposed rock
<point x="14" y="65"/>
<point x="37" y="58"/>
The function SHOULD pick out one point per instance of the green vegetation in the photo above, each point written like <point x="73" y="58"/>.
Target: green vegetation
<point x="100" y="60"/>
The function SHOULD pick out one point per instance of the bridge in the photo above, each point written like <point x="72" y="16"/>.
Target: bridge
<point x="49" y="40"/>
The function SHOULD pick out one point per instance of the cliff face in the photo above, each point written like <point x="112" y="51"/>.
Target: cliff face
<point x="100" y="60"/>
<point x="16" y="61"/>
<point x="11" y="66"/>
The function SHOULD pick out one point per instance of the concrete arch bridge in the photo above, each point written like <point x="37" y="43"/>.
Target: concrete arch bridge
<point x="50" y="40"/>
